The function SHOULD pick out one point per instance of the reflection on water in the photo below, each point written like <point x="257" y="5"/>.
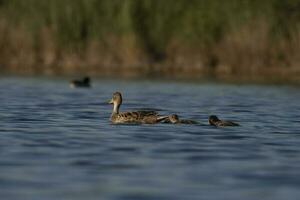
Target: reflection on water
<point x="56" y="142"/>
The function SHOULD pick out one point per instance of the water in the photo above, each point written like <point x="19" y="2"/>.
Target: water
<point x="57" y="143"/>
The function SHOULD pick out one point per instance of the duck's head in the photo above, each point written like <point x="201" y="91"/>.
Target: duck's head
<point x="116" y="99"/>
<point x="213" y="119"/>
<point x="174" y="118"/>
<point x="86" y="79"/>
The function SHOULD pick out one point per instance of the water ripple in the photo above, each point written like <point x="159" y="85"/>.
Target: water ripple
<point x="57" y="143"/>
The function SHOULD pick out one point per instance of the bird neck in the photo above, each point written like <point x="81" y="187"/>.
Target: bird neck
<point x="116" y="108"/>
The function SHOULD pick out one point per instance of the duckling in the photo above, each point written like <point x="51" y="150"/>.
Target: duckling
<point x="215" y="121"/>
<point x="174" y="119"/>
<point x="140" y="117"/>
<point x="84" y="83"/>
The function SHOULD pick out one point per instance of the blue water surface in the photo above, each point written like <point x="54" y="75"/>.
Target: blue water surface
<point x="57" y="143"/>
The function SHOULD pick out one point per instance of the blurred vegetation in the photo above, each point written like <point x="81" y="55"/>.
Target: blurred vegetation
<point x="170" y="33"/>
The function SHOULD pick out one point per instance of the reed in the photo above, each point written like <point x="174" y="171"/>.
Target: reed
<point x="150" y="37"/>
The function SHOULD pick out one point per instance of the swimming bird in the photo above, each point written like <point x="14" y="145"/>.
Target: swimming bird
<point x="215" y="121"/>
<point x="174" y="119"/>
<point x="84" y="83"/>
<point x="138" y="117"/>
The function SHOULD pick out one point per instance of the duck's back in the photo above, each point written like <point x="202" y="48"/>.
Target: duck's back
<point x="227" y="123"/>
<point x="188" y="121"/>
<point x="135" y="117"/>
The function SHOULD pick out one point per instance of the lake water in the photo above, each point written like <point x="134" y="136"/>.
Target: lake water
<point x="57" y="143"/>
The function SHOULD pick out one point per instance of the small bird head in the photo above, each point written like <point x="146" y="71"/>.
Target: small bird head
<point x="86" y="79"/>
<point x="116" y="99"/>
<point x="213" y="119"/>
<point x="174" y="118"/>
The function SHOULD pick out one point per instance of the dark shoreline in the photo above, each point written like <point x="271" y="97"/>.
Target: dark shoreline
<point x="179" y="79"/>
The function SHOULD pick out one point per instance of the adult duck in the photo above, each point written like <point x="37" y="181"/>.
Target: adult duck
<point x="137" y="117"/>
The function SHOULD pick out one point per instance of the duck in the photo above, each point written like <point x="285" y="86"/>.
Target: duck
<point x="215" y="121"/>
<point x="174" y="119"/>
<point x="135" y="117"/>
<point x="84" y="83"/>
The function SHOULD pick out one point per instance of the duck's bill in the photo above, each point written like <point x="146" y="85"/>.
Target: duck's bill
<point x="110" y="101"/>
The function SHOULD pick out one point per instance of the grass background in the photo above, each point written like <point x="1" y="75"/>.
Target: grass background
<point x="228" y="40"/>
